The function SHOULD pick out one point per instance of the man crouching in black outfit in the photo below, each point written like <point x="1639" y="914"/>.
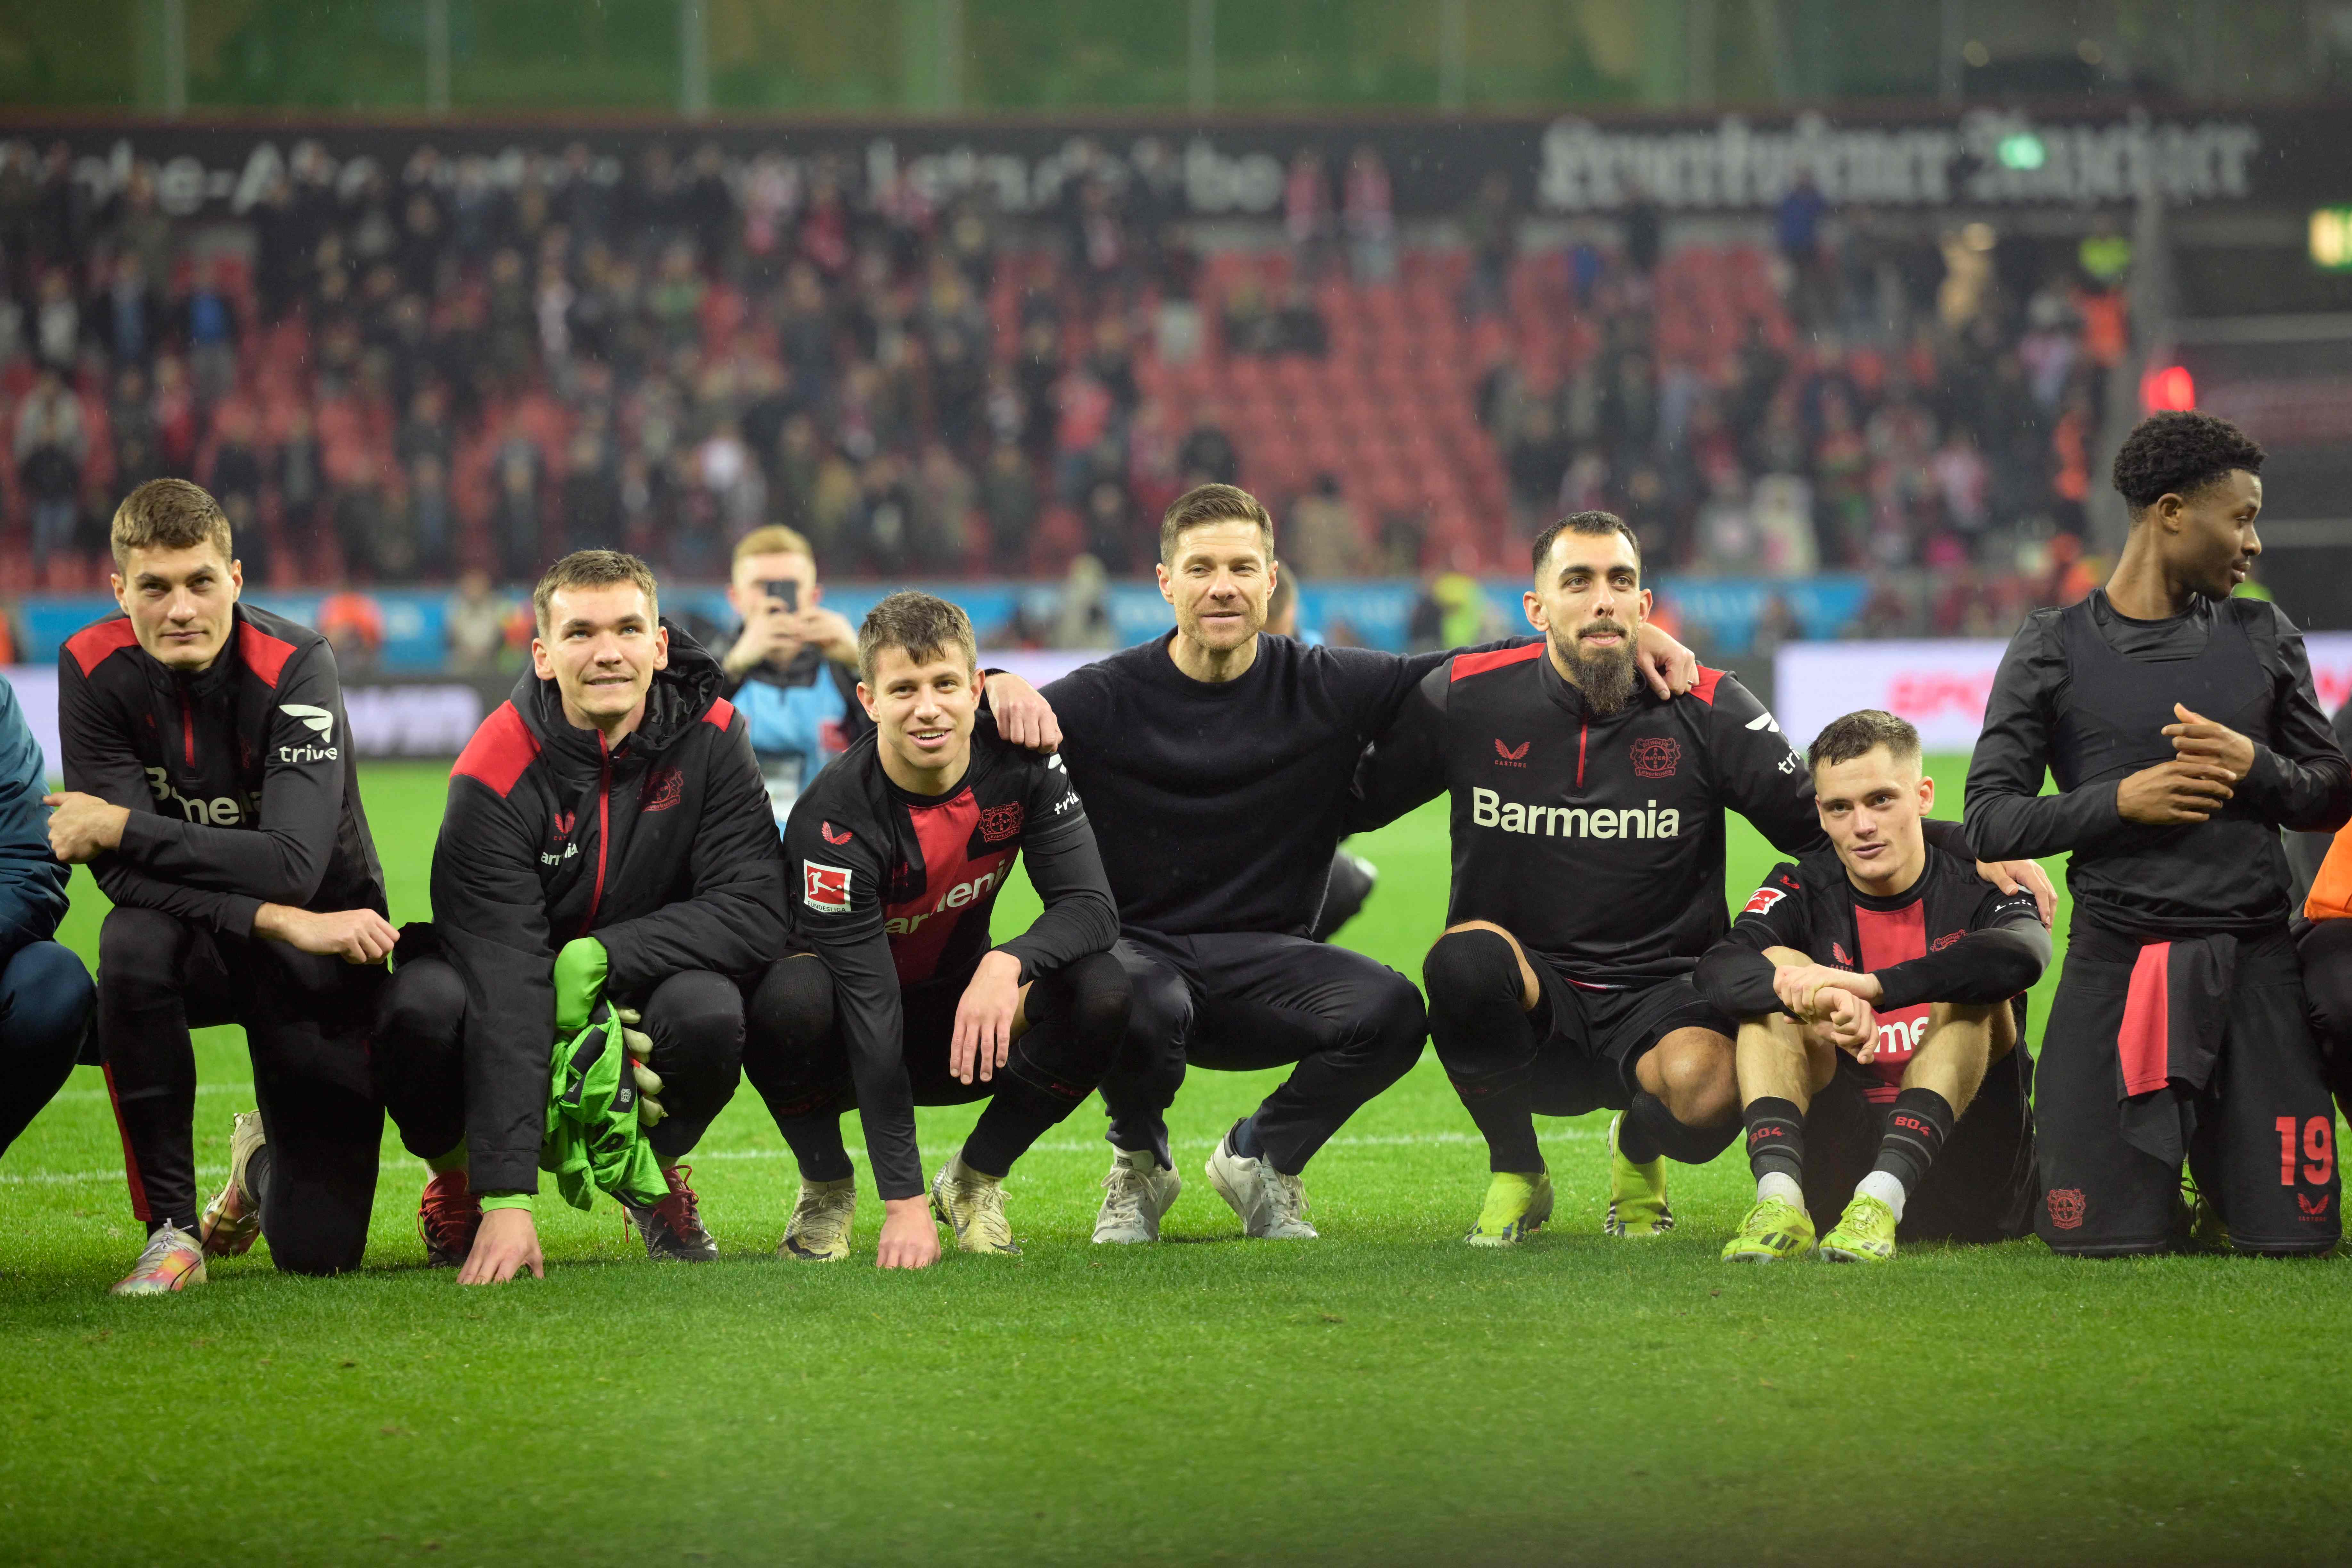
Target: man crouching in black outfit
<point x="607" y="838"/>
<point x="897" y="851"/>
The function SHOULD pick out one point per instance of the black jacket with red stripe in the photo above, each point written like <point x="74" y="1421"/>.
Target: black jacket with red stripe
<point x="239" y="779"/>
<point x="663" y="849"/>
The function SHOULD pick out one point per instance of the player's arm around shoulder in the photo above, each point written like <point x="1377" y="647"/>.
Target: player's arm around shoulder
<point x="1757" y="771"/>
<point x="1404" y="766"/>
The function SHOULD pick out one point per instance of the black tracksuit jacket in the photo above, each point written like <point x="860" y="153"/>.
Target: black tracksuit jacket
<point x="663" y="849"/>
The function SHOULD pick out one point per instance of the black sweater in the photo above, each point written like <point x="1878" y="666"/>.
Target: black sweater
<point x="1218" y="805"/>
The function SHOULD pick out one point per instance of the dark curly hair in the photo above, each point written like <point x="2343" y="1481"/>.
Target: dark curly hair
<point x="2177" y="454"/>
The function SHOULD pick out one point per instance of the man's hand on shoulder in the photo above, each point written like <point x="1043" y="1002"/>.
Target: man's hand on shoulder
<point x="909" y="1240"/>
<point x="1669" y="667"/>
<point x="2023" y="876"/>
<point x="506" y="1245"/>
<point x="83" y="827"/>
<point x="354" y="936"/>
<point x="1023" y="716"/>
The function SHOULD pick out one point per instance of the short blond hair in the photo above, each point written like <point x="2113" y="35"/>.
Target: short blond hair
<point x="774" y="539"/>
<point x="593" y="569"/>
<point x="169" y="514"/>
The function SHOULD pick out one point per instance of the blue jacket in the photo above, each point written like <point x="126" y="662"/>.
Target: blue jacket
<point x="32" y="881"/>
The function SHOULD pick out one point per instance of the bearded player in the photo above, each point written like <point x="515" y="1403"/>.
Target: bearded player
<point x="2181" y="725"/>
<point x="1878" y="993"/>
<point x="897" y="851"/>
<point x="1588" y="880"/>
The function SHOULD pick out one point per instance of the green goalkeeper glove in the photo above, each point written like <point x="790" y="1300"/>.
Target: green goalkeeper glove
<point x="579" y="984"/>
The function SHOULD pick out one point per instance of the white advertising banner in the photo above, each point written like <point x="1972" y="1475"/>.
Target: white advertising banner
<point x="1941" y="687"/>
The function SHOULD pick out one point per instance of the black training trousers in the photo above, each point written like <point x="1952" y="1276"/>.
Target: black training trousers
<point x="694" y="1020"/>
<point x="1242" y="1001"/>
<point x="797" y="1059"/>
<point x="306" y="1020"/>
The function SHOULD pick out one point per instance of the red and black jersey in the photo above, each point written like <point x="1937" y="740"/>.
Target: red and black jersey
<point x="1951" y="936"/>
<point x="1596" y="839"/>
<point x="662" y="848"/>
<point x="895" y="890"/>
<point x="239" y="779"/>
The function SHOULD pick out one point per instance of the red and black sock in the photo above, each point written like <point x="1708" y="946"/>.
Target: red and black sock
<point x="1916" y="1125"/>
<point x="1776" y="1138"/>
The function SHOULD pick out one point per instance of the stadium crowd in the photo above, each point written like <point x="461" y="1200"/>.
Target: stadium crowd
<point x="394" y="376"/>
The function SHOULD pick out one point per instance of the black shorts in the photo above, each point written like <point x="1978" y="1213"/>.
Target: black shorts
<point x="2261" y="1137"/>
<point x="1982" y="1187"/>
<point x="1590" y="1039"/>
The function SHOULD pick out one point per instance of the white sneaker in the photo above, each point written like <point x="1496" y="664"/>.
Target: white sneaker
<point x="1273" y="1206"/>
<point x="818" y="1231"/>
<point x="973" y="1205"/>
<point x="1135" y="1195"/>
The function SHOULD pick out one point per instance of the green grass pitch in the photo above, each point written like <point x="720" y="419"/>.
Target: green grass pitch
<point x="1384" y="1395"/>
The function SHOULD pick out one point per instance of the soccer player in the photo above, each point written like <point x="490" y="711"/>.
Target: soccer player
<point x="1878" y="994"/>
<point x="1215" y="762"/>
<point x="1588" y="880"/>
<point x="791" y="671"/>
<point x="2181" y="728"/>
<point x="209" y="785"/>
<point x="899" y="852"/>
<point x="45" y="997"/>
<point x="606" y="839"/>
<point x="2322" y="867"/>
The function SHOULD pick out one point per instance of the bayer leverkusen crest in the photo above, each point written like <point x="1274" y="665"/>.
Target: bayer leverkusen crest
<point x="1657" y="756"/>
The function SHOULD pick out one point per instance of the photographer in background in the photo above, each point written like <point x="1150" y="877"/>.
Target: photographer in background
<point x="792" y="671"/>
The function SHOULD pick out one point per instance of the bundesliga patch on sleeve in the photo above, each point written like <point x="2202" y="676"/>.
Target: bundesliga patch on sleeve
<point x="824" y="888"/>
<point x="1766" y="897"/>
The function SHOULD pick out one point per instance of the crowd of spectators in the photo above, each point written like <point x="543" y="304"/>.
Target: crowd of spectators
<point x="426" y="369"/>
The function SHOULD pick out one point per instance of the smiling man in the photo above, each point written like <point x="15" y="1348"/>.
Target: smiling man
<point x="2181" y="728"/>
<point x="1215" y="762"/>
<point x="607" y="842"/>
<point x="1588" y="828"/>
<point x="897" y="853"/>
<point x="210" y="787"/>
<point x="1878" y="989"/>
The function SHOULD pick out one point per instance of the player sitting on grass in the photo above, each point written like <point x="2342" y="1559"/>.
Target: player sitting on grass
<point x="45" y="997"/>
<point x="1588" y="880"/>
<point x="209" y="785"/>
<point x="897" y="851"/>
<point x="1876" y="989"/>
<point x="607" y="840"/>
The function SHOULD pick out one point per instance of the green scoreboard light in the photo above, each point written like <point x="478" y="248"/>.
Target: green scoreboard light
<point x="2331" y="240"/>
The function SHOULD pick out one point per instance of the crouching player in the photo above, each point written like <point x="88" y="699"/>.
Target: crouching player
<point x="608" y="839"/>
<point x="209" y="788"/>
<point x="1878" y="993"/>
<point x="897" y="853"/>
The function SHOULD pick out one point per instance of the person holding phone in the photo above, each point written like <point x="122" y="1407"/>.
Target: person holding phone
<point x="792" y="671"/>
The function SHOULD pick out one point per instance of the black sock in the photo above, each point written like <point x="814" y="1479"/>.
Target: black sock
<point x="1916" y="1125"/>
<point x="1502" y="1107"/>
<point x="1017" y="1116"/>
<point x="1243" y="1140"/>
<point x="1776" y="1139"/>
<point x="1650" y="1130"/>
<point x="815" y="1143"/>
<point x="256" y="1178"/>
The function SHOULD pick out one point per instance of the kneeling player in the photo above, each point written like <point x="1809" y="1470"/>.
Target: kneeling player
<point x="607" y="840"/>
<point x="899" y="849"/>
<point x="209" y="785"/>
<point x="1875" y="992"/>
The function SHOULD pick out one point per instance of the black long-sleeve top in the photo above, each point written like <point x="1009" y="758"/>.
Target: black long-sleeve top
<point x="2083" y="694"/>
<point x="895" y="890"/>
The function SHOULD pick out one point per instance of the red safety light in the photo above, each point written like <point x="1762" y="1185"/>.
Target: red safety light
<point x="2168" y="387"/>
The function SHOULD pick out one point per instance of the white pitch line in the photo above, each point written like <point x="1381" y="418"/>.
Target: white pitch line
<point x="1346" y="1141"/>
